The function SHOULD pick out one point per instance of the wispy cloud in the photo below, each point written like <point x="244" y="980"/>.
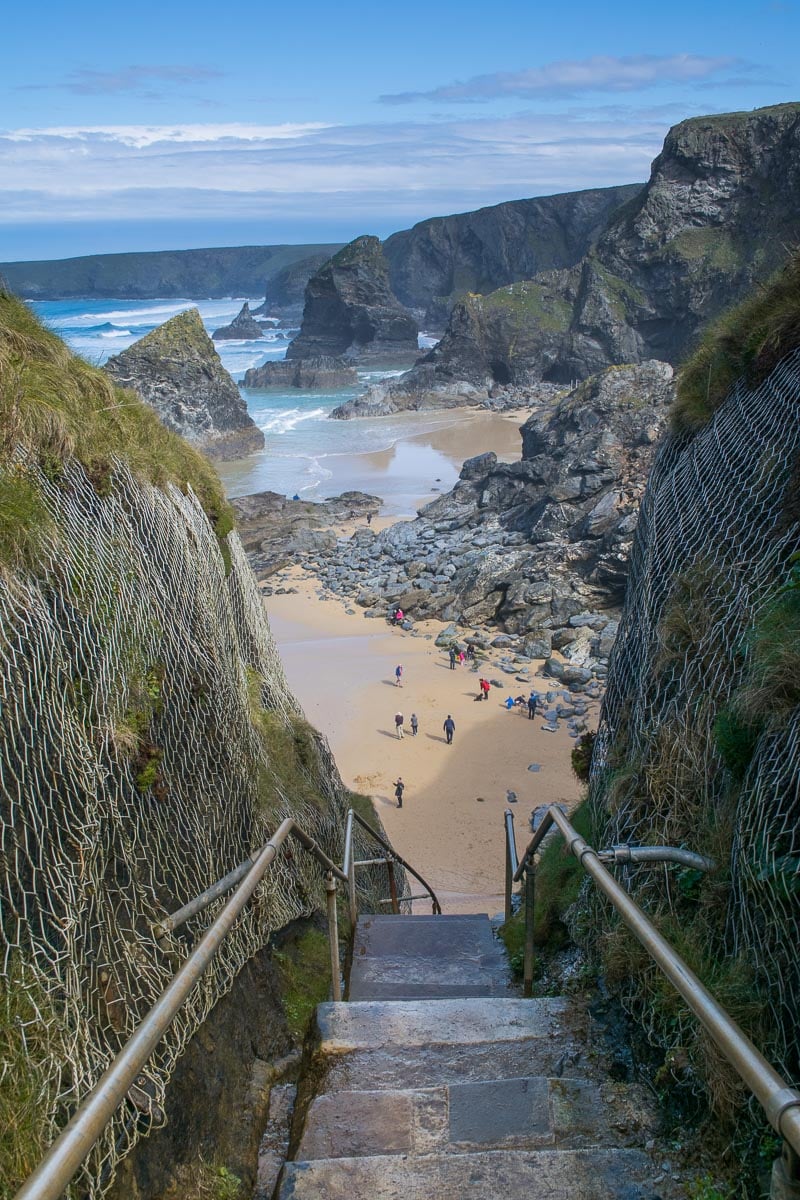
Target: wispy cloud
<point x="600" y="73"/>
<point x="137" y="79"/>
<point x="392" y="170"/>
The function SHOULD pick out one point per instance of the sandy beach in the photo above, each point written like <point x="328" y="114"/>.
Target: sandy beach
<point x="341" y="666"/>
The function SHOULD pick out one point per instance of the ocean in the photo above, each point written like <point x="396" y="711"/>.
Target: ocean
<point x="306" y="454"/>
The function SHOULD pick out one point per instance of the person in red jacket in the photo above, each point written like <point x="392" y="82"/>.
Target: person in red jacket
<point x="485" y="685"/>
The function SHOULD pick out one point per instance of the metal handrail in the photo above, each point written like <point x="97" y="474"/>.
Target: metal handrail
<point x="780" y="1102"/>
<point x="75" y="1141"/>
<point x="349" y="865"/>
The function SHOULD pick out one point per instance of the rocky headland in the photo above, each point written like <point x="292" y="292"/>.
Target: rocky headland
<point x="531" y="555"/>
<point x="243" y="327"/>
<point x="285" y="293"/>
<point x="716" y="215"/>
<point x="317" y="374"/>
<point x="351" y="312"/>
<point x="176" y="370"/>
<point x="440" y="261"/>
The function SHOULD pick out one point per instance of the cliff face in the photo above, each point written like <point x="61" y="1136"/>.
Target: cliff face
<point x="286" y="289"/>
<point x="717" y="214"/>
<point x="350" y="310"/>
<point x="176" y="370"/>
<point x="439" y="261"/>
<point x="198" y="274"/>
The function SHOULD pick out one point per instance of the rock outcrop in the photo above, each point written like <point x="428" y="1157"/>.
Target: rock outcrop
<point x="717" y="214"/>
<point x="176" y="370"/>
<point x="440" y="261"/>
<point x="276" y="530"/>
<point x="350" y="311"/>
<point x="320" y="374"/>
<point x="243" y="327"/>
<point x="286" y="289"/>
<point x="530" y="545"/>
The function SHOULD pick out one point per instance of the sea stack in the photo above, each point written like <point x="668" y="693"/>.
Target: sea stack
<point x="176" y="370"/>
<point x="351" y="312"/>
<point x="243" y="327"/>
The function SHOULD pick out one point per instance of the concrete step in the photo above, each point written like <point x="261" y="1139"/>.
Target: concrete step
<point x="522" y="1113"/>
<point x="598" y="1174"/>
<point x="374" y="1024"/>
<point x="404" y="958"/>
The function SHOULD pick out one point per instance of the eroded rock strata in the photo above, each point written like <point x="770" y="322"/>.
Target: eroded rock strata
<point x="351" y="312"/>
<point x="176" y="370"/>
<point x="321" y="373"/>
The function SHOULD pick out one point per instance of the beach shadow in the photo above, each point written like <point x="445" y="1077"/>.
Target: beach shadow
<point x="434" y="737"/>
<point x="390" y="683"/>
<point x="391" y="734"/>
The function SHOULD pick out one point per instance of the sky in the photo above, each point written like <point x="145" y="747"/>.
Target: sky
<point x="172" y="125"/>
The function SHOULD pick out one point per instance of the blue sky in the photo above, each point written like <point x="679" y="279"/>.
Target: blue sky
<point x="169" y="125"/>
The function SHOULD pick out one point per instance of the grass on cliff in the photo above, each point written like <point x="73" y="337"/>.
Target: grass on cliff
<point x="748" y="341"/>
<point x="304" y="971"/>
<point x="58" y="407"/>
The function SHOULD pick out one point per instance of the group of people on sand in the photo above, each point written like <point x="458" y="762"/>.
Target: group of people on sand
<point x="460" y="656"/>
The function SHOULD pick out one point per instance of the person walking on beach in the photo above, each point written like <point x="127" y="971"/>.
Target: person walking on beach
<point x="398" y="724"/>
<point x="449" y="728"/>
<point x="398" y="790"/>
<point x="453" y="657"/>
<point x="414" y="724"/>
<point x="398" y="675"/>
<point x="532" y="705"/>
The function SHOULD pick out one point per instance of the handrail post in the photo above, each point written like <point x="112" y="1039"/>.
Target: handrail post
<point x="392" y="886"/>
<point x="509" y="867"/>
<point x="351" y="892"/>
<point x="530" y="895"/>
<point x="333" y="935"/>
<point x="785" y="1179"/>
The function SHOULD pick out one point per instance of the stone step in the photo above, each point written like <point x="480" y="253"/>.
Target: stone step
<point x="597" y="1174"/>
<point x="522" y="1113"/>
<point x="374" y="1024"/>
<point x="404" y="958"/>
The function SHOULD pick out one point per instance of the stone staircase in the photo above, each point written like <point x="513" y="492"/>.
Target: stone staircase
<point x="434" y="1082"/>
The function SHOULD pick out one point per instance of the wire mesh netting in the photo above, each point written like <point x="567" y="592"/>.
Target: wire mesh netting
<point x="680" y="757"/>
<point x="134" y="771"/>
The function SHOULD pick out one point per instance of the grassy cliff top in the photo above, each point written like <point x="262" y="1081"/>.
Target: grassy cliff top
<point x="181" y="333"/>
<point x="59" y="407"/>
<point x="747" y="341"/>
<point x="361" y="249"/>
<point x="732" y="120"/>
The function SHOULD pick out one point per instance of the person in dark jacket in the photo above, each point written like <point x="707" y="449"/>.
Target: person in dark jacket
<point x="398" y="790"/>
<point x="532" y="705"/>
<point x="449" y="728"/>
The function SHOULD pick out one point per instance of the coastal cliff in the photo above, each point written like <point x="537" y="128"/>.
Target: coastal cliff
<point x="176" y="370"/>
<point x="440" y="261"/>
<point x="150" y="745"/>
<point x="716" y="215"/>
<point x="350" y="311"/>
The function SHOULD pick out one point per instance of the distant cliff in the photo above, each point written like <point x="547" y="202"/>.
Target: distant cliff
<point x="440" y="260"/>
<point x="351" y="312"/>
<point x="177" y="371"/>
<point x="192" y="274"/>
<point x="718" y="213"/>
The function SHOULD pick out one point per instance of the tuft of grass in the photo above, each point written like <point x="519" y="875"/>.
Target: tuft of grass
<point x="304" y="970"/>
<point x="25" y="523"/>
<point x="581" y="755"/>
<point x="748" y="341"/>
<point x="293" y="768"/>
<point x="202" y="1180"/>
<point x="30" y="1035"/>
<point x="57" y="407"/>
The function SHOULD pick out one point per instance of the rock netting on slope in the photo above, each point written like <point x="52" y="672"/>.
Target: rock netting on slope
<point x="351" y="312"/>
<point x="177" y="371"/>
<point x="699" y="742"/>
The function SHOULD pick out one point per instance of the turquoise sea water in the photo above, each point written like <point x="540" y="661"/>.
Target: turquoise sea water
<point x="306" y="453"/>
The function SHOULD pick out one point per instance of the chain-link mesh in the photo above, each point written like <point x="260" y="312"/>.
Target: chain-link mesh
<point x="135" y="771"/>
<point x="717" y="528"/>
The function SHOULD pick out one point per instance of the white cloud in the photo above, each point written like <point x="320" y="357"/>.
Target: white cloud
<point x="315" y="171"/>
<point x="600" y="73"/>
